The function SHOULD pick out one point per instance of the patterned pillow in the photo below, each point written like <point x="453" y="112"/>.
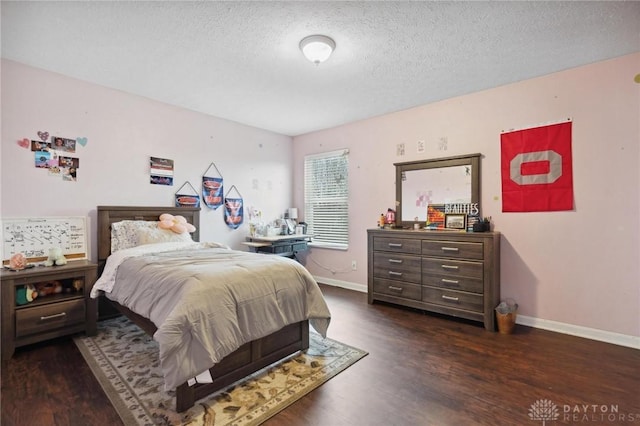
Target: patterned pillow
<point x="159" y="235"/>
<point x="124" y="234"/>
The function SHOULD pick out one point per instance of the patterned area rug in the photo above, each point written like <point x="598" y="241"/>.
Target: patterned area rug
<point x="124" y="359"/>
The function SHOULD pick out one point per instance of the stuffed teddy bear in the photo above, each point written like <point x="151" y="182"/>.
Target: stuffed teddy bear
<point x="55" y="257"/>
<point x="49" y="287"/>
<point x="177" y="224"/>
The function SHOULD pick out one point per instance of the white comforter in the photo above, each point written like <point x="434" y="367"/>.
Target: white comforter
<point x="206" y="301"/>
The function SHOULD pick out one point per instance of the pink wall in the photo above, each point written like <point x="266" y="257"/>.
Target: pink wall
<point x="123" y="131"/>
<point x="581" y="267"/>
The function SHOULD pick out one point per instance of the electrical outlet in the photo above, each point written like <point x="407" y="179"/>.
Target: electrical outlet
<point x="353" y="265"/>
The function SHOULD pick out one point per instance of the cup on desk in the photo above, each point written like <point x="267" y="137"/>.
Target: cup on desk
<point x="299" y="229"/>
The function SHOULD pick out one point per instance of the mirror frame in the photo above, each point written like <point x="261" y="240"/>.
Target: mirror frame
<point x="472" y="160"/>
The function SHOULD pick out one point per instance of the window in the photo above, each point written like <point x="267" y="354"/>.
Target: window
<point x="326" y="198"/>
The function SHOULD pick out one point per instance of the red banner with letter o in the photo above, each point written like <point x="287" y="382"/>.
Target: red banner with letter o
<point x="536" y="169"/>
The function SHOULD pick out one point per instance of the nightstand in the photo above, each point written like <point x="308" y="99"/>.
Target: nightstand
<point x="50" y="316"/>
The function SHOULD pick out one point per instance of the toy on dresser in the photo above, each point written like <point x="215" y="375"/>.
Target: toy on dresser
<point x="55" y="257"/>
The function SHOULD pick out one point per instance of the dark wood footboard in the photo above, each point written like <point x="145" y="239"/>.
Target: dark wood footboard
<point x="246" y="360"/>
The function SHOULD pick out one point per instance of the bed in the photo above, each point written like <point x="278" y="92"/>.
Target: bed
<point x="249" y="356"/>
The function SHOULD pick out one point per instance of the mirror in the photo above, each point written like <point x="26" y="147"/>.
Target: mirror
<point x="440" y="181"/>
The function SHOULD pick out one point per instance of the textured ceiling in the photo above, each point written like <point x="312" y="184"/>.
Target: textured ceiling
<point x="240" y="60"/>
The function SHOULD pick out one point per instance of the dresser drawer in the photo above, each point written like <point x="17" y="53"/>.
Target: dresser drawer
<point x="397" y="267"/>
<point x="43" y="318"/>
<point x="399" y="245"/>
<point x="457" y="299"/>
<point x="452" y="249"/>
<point x="453" y="283"/>
<point x="397" y="288"/>
<point x="456" y="268"/>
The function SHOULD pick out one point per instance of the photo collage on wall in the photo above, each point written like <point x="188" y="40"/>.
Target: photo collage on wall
<point x="56" y="154"/>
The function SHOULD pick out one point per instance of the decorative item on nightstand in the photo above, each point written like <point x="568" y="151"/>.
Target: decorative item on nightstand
<point x="55" y="257"/>
<point x="483" y="225"/>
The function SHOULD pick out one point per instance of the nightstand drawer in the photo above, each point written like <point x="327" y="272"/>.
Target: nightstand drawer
<point x="49" y="317"/>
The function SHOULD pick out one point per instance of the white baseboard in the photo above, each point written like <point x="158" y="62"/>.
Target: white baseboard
<point x="344" y="284"/>
<point x="580" y="331"/>
<point x="559" y="327"/>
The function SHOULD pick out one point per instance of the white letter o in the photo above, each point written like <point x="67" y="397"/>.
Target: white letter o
<point x="555" y="167"/>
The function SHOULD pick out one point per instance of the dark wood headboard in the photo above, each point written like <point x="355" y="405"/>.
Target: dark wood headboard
<point x="110" y="214"/>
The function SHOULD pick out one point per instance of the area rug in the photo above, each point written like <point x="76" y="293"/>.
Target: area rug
<point x="124" y="359"/>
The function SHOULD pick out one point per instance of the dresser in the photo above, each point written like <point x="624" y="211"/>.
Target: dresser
<point x="448" y="272"/>
<point x="54" y="315"/>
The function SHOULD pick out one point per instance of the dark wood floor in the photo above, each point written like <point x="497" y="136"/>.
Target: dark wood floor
<point x="421" y="370"/>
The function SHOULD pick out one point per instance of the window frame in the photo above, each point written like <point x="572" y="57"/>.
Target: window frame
<point x="342" y="196"/>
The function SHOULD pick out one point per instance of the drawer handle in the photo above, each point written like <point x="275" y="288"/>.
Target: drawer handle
<point x="456" y="249"/>
<point x="395" y="245"/>
<point x="54" y="316"/>
<point x="445" y="280"/>
<point x="397" y="274"/>
<point x="396" y="289"/>
<point x="395" y="260"/>
<point x="450" y="267"/>
<point x="452" y="299"/>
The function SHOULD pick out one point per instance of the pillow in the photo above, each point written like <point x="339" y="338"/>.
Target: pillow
<point x="124" y="234"/>
<point x="158" y="235"/>
<point x="177" y="224"/>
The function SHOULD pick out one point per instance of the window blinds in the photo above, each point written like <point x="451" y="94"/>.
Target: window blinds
<point x="326" y="198"/>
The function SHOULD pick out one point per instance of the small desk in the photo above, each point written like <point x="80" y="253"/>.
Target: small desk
<point x="282" y="245"/>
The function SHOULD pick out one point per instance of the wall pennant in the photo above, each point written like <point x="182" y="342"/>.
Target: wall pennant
<point x="233" y="211"/>
<point x="187" y="197"/>
<point x="212" y="187"/>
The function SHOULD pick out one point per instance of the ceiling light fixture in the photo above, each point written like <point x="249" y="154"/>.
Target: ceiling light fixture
<point x="317" y="48"/>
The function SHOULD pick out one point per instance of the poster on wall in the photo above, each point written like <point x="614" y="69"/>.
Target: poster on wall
<point x="160" y="171"/>
<point x="536" y="168"/>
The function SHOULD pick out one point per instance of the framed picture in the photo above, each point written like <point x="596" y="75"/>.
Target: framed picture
<point x="291" y="224"/>
<point x="455" y="221"/>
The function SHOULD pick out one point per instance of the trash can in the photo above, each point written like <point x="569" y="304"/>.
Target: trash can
<point x="506" y="313"/>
